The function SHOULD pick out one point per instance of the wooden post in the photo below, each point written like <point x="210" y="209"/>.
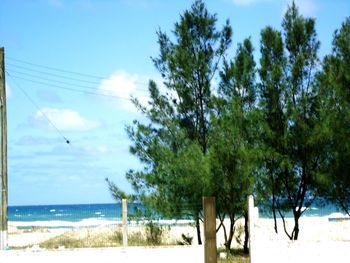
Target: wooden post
<point x="210" y="252"/>
<point x="4" y="198"/>
<point x="125" y="222"/>
<point x="251" y="213"/>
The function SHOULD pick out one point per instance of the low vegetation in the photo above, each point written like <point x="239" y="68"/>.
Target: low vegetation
<point x="236" y="256"/>
<point x="153" y="235"/>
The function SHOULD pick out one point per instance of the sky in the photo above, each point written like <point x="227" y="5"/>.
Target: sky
<point x="71" y="67"/>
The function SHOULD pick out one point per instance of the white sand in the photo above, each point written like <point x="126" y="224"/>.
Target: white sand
<point x="319" y="241"/>
<point x="129" y="255"/>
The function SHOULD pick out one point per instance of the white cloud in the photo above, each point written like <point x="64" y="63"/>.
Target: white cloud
<point x="64" y="120"/>
<point x="123" y="85"/>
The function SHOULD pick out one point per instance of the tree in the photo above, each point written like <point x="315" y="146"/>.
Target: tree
<point x="290" y="105"/>
<point x="173" y="145"/>
<point x="232" y="142"/>
<point x="335" y="85"/>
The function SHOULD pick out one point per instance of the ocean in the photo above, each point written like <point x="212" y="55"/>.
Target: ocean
<point x="79" y="215"/>
<point x="84" y="215"/>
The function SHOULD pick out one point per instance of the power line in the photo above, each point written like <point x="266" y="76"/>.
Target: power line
<point x="56" y="69"/>
<point x="40" y="78"/>
<point x="64" y="71"/>
<point x="71" y="89"/>
<point x="62" y="76"/>
<point x="38" y="108"/>
<point x="51" y="74"/>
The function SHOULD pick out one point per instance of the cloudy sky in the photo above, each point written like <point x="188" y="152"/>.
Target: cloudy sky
<point x="71" y="67"/>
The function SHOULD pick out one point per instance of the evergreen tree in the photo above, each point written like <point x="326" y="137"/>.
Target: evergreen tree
<point x="290" y="105"/>
<point x="335" y="124"/>
<point x="173" y="146"/>
<point x="232" y="149"/>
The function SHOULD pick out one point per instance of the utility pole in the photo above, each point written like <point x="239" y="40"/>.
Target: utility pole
<point x="4" y="196"/>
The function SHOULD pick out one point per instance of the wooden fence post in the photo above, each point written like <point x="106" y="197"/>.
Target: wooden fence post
<point x="125" y="222"/>
<point x="251" y="214"/>
<point x="210" y="251"/>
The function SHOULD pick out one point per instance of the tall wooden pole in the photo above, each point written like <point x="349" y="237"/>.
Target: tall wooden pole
<point x="125" y="222"/>
<point x="210" y="250"/>
<point x="251" y="228"/>
<point x="4" y="195"/>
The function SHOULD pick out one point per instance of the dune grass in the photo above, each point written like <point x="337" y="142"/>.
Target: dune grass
<point x="99" y="238"/>
<point x="236" y="256"/>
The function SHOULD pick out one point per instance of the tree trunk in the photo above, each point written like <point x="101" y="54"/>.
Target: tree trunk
<point x="228" y="241"/>
<point x="246" y="234"/>
<point x="295" y="234"/>
<point x="274" y="208"/>
<point x="198" y="227"/>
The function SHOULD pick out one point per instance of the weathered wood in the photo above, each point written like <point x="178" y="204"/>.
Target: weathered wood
<point x="251" y="215"/>
<point x="125" y="222"/>
<point x="4" y="195"/>
<point x="210" y="250"/>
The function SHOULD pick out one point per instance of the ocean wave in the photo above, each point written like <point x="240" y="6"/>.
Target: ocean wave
<point x="91" y="222"/>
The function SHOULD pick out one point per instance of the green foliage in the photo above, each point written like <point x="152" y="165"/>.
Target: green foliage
<point x="233" y="152"/>
<point x="290" y="109"/>
<point x="173" y="144"/>
<point x="117" y="193"/>
<point x="154" y="233"/>
<point x="334" y="126"/>
<point x="283" y="135"/>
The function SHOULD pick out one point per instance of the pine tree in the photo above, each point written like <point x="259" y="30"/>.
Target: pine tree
<point x="173" y="146"/>
<point x="335" y="124"/>
<point x="232" y="152"/>
<point x="289" y="100"/>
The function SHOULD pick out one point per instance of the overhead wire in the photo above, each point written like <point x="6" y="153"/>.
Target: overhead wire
<point x="55" y="69"/>
<point x="51" y="74"/>
<point x="38" y="108"/>
<point x="63" y="70"/>
<point x="71" y="89"/>
<point x="58" y="81"/>
<point x="63" y="77"/>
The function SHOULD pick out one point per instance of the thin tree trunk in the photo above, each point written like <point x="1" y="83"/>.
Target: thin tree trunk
<point x="228" y="241"/>
<point x="274" y="211"/>
<point x="198" y="227"/>
<point x="295" y="233"/>
<point x="284" y="225"/>
<point x="246" y="234"/>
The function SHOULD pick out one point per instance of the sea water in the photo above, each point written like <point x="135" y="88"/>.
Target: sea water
<point x="75" y="215"/>
<point x="86" y="215"/>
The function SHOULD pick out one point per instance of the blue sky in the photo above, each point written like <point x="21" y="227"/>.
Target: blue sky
<point x="110" y="44"/>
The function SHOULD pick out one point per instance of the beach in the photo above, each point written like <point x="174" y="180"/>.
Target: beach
<point x="130" y="255"/>
<point x="320" y="240"/>
<point x="311" y="229"/>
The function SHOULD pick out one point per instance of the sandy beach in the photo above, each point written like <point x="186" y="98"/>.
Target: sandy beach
<point x="128" y="255"/>
<point x="320" y="240"/>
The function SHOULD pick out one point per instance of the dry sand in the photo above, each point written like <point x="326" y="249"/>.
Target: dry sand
<point x="121" y="255"/>
<point x="319" y="241"/>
